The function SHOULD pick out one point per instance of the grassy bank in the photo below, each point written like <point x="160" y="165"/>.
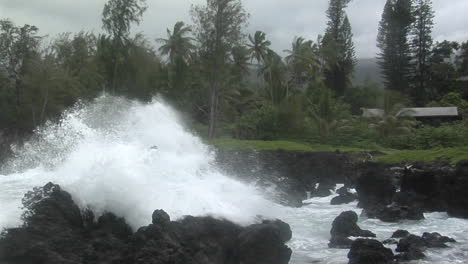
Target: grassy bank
<point x="234" y="144"/>
<point x="452" y="155"/>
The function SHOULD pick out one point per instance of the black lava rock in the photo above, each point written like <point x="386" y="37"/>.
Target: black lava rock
<point x="344" y="226"/>
<point x="395" y="213"/>
<point x="344" y="197"/>
<point x="369" y="251"/>
<point x="400" y="234"/>
<point x="161" y="218"/>
<point x="57" y="232"/>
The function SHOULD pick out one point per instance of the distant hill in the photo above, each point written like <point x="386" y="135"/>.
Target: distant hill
<point x="367" y="71"/>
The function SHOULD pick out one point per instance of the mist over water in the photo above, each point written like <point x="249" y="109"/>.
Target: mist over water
<point x="130" y="158"/>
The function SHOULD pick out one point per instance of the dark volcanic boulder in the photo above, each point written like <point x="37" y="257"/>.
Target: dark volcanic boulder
<point x="57" y="232"/>
<point x="264" y="244"/>
<point x="375" y="186"/>
<point x="369" y="251"/>
<point x="344" y="197"/>
<point x="436" y="240"/>
<point x="456" y="187"/>
<point x="395" y="213"/>
<point x="344" y="226"/>
<point x="400" y="234"/>
<point x="412" y="246"/>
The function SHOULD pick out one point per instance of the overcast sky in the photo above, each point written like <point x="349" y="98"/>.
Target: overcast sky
<point x="282" y="20"/>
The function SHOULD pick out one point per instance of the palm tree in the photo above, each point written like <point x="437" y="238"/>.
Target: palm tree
<point x="178" y="45"/>
<point x="397" y="120"/>
<point x="240" y="60"/>
<point x="303" y="62"/>
<point x="273" y="72"/>
<point x="259" y="46"/>
<point x="327" y="113"/>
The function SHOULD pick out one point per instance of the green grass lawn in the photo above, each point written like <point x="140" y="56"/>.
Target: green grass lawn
<point x="234" y="144"/>
<point x="452" y="155"/>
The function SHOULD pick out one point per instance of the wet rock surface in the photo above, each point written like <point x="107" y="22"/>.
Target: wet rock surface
<point x="423" y="188"/>
<point x="369" y="251"/>
<point x="56" y="231"/>
<point x="344" y="197"/>
<point x="292" y="173"/>
<point x="411" y="247"/>
<point x="345" y="226"/>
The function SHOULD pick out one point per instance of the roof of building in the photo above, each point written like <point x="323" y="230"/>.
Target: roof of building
<point x="415" y="112"/>
<point x="372" y="112"/>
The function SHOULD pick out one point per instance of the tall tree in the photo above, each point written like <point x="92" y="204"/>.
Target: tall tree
<point x="274" y="71"/>
<point x="392" y="40"/>
<point x="18" y="46"/>
<point x="117" y="19"/>
<point x="463" y="59"/>
<point x="178" y="47"/>
<point x="258" y="46"/>
<point x="219" y="26"/>
<point x="338" y="40"/>
<point x="421" y="46"/>
<point x="304" y="65"/>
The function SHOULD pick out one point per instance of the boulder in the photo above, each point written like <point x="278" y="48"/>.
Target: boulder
<point x="455" y="188"/>
<point x="436" y="240"/>
<point x="369" y="251"/>
<point x="395" y="213"/>
<point x="400" y="234"/>
<point x="412" y="246"/>
<point x="264" y="244"/>
<point x="375" y="186"/>
<point x="344" y="226"/>
<point x="344" y="197"/>
<point x="161" y="218"/>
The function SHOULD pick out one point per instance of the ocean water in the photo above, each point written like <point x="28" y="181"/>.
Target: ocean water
<point x="130" y="158"/>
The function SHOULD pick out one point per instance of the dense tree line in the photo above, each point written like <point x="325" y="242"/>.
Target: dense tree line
<point x="230" y="82"/>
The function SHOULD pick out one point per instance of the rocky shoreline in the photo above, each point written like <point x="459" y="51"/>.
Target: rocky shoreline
<point x="387" y="192"/>
<point x="390" y="193"/>
<point x="56" y="231"/>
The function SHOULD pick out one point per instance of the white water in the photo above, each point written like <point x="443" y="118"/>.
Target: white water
<point x="102" y="154"/>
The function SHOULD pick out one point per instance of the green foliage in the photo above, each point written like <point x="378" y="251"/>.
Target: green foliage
<point x="453" y="155"/>
<point x="338" y="48"/>
<point x="421" y="45"/>
<point x="326" y="113"/>
<point x="260" y="123"/>
<point x="365" y="96"/>
<point x="452" y="99"/>
<point x="393" y="42"/>
<point x="427" y="137"/>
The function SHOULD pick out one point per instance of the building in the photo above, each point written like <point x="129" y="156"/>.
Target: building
<point x="427" y="115"/>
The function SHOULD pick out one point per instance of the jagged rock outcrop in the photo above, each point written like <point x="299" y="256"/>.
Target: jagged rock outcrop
<point x="375" y="186"/>
<point x="344" y="197"/>
<point x="344" y="226"/>
<point x="369" y="251"/>
<point x="56" y="231"/>
<point x="293" y="173"/>
<point x="412" y="246"/>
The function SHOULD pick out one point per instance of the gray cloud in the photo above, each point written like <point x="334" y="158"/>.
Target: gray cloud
<point x="281" y="20"/>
